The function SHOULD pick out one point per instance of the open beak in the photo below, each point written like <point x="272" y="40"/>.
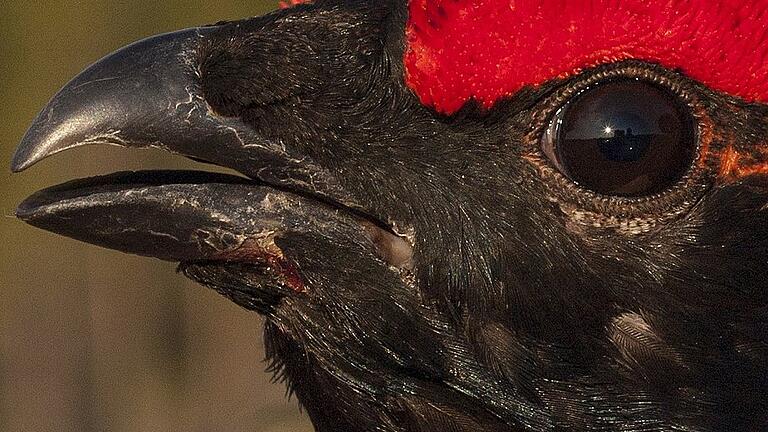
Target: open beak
<point x="149" y="95"/>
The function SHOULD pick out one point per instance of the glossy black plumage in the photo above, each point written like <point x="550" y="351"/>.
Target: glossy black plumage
<point x="528" y="304"/>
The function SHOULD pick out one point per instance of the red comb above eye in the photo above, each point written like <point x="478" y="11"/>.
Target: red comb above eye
<point x="290" y="3"/>
<point x="459" y="50"/>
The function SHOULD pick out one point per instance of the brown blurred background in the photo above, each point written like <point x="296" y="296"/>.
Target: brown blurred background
<point x="91" y="339"/>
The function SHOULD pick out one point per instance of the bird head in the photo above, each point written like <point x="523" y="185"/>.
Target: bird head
<point x="457" y="215"/>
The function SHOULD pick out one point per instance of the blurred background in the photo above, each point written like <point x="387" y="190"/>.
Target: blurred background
<point x="91" y="339"/>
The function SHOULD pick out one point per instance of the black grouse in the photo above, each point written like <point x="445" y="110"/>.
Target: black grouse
<point x="457" y="216"/>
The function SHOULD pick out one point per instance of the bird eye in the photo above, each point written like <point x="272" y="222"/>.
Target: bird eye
<point x="625" y="137"/>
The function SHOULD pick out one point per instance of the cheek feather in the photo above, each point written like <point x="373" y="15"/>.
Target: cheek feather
<point x="459" y="50"/>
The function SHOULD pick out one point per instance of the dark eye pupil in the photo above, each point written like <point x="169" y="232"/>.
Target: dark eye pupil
<point x="625" y="138"/>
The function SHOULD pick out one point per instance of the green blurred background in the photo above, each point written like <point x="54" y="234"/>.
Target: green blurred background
<point x="91" y="339"/>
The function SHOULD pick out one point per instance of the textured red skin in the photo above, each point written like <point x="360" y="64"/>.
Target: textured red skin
<point x="459" y="50"/>
<point x="291" y="3"/>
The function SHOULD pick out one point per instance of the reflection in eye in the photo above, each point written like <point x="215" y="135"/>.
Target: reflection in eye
<point x="624" y="137"/>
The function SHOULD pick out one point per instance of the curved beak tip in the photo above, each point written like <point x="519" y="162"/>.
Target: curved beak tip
<point x="18" y="163"/>
<point x="128" y="89"/>
<point x="27" y="153"/>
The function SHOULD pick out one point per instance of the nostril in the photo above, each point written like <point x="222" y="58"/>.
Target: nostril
<point x="220" y="73"/>
<point x="241" y="66"/>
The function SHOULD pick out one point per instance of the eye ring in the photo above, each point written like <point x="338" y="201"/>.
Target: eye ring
<point x="672" y="200"/>
<point x="622" y="137"/>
